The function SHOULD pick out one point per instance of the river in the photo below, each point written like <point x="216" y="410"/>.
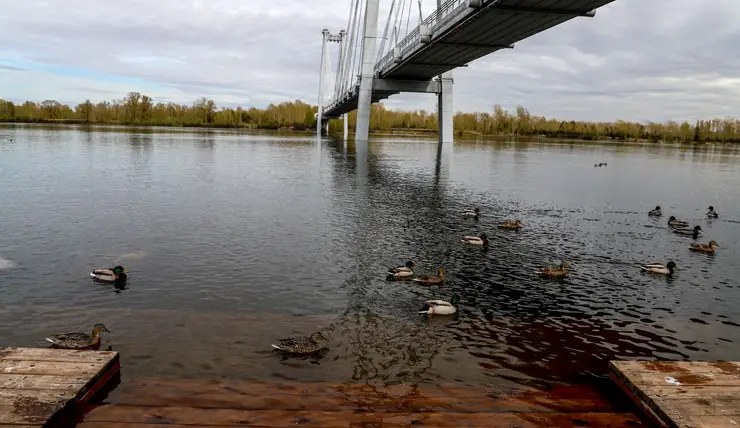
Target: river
<point x="235" y="239"/>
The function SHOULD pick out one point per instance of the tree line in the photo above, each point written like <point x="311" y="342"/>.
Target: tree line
<point x="138" y="109"/>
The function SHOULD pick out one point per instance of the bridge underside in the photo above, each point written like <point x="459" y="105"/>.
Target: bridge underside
<point x="465" y="34"/>
<point x="474" y="33"/>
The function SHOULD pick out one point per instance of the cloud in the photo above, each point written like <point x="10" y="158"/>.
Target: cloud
<point x="636" y="60"/>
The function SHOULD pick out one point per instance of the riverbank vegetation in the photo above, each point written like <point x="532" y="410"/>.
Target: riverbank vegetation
<point x="138" y="109"/>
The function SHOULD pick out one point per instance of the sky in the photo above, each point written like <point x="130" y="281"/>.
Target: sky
<point x="636" y="60"/>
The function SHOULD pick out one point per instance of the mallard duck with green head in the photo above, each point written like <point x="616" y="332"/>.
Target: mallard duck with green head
<point x="78" y="340"/>
<point x="659" y="268"/>
<point x="673" y="222"/>
<point x="474" y="213"/>
<point x="476" y="240"/>
<point x="657" y="212"/>
<point x="301" y="345"/>
<point x="440" y="307"/>
<point x="402" y="272"/>
<point x="116" y="274"/>
<point x="685" y="231"/>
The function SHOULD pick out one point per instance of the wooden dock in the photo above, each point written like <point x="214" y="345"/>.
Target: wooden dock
<point x="38" y="386"/>
<point x="683" y="394"/>
<point x="222" y="403"/>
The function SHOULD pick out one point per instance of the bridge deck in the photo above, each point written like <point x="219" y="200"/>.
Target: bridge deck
<point x="469" y="34"/>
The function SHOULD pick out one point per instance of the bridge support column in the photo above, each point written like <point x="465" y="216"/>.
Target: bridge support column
<point x="445" y="109"/>
<point x="364" y="102"/>
<point x="346" y="127"/>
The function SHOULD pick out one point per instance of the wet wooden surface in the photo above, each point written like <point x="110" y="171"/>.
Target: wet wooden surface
<point x="38" y="385"/>
<point x="201" y="403"/>
<point x="683" y="394"/>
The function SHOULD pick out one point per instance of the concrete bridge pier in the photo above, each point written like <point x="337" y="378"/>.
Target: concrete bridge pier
<point x="345" y="121"/>
<point x="367" y="74"/>
<point x="445" y="109"/>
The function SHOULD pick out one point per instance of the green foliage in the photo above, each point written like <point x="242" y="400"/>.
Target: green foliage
<point x="139" y="109"/>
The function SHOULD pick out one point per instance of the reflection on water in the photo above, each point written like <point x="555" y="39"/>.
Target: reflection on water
<point x="234" y="239"/>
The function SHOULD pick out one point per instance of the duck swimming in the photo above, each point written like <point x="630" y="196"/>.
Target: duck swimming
<point x="301" y="345"/>
<point x="78" y="340"/>
<point x="689" y="232"/>
<point x="553" y="272"/>
<point x="656" y="212"/>
<point x="440" y="307"/>
<point x="402" y="272"/>
<point x="472" y="213"/>
<point x="476" y="240"/>
<point x="511" y="225"/>
<point x="677" y="223"/>
<point x="116" y="274"/>
<point x="704" y="248"/>
<point x="712" y="213"/>
<point x="658" y="268"/>
<point x="431" y="279"/>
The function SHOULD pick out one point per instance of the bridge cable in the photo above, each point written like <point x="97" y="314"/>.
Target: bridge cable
<point x="381" y="51"/>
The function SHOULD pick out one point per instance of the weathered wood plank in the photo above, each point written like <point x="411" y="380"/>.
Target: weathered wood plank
<point x="683" y="394"/>
<point x="61" y="355"/>
<point x="22" y="415"/>
<point x="273" y="418"/>
<point x="66" y="383"/>
<point x="9" y="397"/>
<point x="259" y="396"/>
<point x="33" y="392"/>
<point x="54" y="368"/>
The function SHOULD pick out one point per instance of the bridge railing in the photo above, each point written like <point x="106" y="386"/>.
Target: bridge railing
<point x="414" y="36"/>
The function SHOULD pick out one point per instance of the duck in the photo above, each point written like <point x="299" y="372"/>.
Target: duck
<point x="704" y="248"/>
<point x="402" y="272"/>
<point x="689" y="232"/>
<point x="476" y="240"/>
<point x="471" y="213"/>
<point x="656" y="212"/>
<point x="659" y="268"/>
<point x="553" y="272"/>
<point x="116" y="274"/>
<point x="301" y="345"/>
<point x="78" y="340"/>
<point x="712" y="213"/>
<point x="440" y="307"/>
<point x="511" y="225"/>
<point x="677" y="223"/>
<point x="431" y="279"/>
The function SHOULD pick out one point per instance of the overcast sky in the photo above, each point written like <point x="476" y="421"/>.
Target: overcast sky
<point x="636" y="60"/>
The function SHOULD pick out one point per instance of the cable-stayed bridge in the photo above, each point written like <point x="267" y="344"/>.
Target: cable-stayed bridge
<point x="417" y="53"/>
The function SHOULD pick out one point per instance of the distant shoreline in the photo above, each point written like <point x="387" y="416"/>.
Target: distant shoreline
<point x="464" y="135"/>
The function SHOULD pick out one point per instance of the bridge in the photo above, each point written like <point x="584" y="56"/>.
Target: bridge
<point x="418" y="54"/>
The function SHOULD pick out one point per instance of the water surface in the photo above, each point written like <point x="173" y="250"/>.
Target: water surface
<point x="235" y="239"/>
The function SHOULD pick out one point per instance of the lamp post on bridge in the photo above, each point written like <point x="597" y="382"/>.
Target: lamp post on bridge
<point x="327" y="37"/>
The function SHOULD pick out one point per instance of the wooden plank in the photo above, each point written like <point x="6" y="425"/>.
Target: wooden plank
<point x="259" y="396"/>
<point x="9" y="397"/>
<point x="61" y="355"/>
<point x="55" y="368"/>
<point x="66" y="383"/>
<point x="34" y="392"/>
<point x="683" y="394"/>
<point x="276" y="418"/>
